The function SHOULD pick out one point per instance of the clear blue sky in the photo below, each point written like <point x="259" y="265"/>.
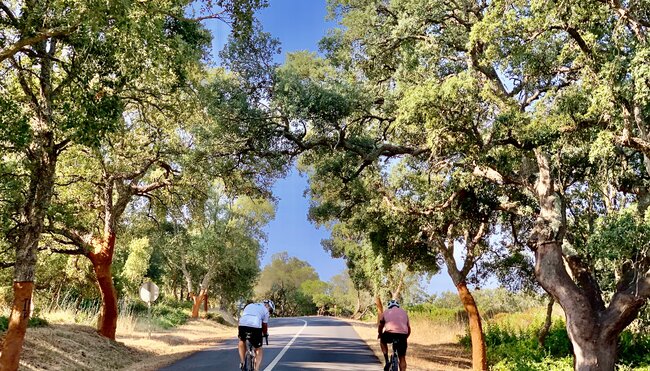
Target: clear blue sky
<point x="299" y="25"/>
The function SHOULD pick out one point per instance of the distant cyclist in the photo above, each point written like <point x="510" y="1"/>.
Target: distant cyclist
<point x="254" y="320"/>
<point x="394" y="324"/>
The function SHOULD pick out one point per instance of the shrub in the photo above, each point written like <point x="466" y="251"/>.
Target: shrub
<point x="517" y="349"/>
<point x="436" y="314"/>
<point x="33" y="322"/>
<point x="168" y="317"/>
<point x="524" y="364"/>
<point x="634" y="349"/>
<point x="37" y="321"/>
<point x="4" y="323"/>
<point x="217" y="318"/>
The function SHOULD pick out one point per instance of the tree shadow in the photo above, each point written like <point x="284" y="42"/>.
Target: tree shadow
<point x="447" y="354"/>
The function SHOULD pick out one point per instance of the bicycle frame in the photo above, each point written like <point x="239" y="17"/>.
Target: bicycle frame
<point x="394" y="358"/>
<point x="249" y="360"/>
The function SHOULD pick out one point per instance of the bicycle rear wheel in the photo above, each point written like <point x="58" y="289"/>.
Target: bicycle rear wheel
<point x="249" y="361"/>
<point x="394" y="362"/>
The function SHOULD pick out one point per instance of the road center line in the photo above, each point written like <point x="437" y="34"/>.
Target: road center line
<point x="284" y="350"/>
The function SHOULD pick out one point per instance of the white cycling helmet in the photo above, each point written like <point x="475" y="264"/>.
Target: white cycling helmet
<point x="270" y="303"/>
<point x="393" y="303"/>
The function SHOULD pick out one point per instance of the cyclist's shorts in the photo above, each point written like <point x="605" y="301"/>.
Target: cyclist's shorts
<point x="254" y="333"/>
<point x="402" y="344"/>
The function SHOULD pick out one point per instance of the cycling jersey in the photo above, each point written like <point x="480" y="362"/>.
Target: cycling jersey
<point x="395" y="321"/>
<point x="254" y="315"/>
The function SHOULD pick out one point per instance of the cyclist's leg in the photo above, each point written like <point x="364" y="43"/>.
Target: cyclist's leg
<point x="250" y="356"/>
<point x="259" y="352"/>
<point x="241" y="346"/>
<point x="402" y="346"/>
<point x="384" y="339"/>
<point x="402" y="363"/>
<point x="256" y="340"/>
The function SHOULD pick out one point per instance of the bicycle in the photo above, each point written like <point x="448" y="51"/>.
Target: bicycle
<point x="394" y="358"/>
<point x="249" y="359"/>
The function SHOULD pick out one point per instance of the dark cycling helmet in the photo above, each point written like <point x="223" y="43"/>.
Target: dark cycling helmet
<point x="393" y="303"/>
<point x="270" y="303"/>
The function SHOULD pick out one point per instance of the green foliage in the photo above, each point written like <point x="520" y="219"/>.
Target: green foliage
<point x="34" y="321"/>
<point x="490" y="301"/>
<point x="137" y="263"/>
<point x="290" y="301"/>
<point x="519" y="348"/>
<point x="435" y="313"/>
<point x="626" y="230"/>
<point x="634" y="349"/>
<point x="545" y="364"/>
<point x="512" y="347"/>
<point x="630" y="233"/>
<point x="167" y="316"/>
<point x="294" y="286"/>
<point x="14" y="128"/>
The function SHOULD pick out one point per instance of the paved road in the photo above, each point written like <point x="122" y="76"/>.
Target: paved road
<point x="302" y="343"/>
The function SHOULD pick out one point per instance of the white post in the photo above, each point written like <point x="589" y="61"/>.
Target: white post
<point x="149" y="314"/>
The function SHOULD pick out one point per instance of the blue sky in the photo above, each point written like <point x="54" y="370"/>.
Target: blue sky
<point x="299" y="25"/>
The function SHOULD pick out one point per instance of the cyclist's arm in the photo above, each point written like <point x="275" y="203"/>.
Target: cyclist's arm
<point x="380" y="327"/>
<point x="265" y="328"/>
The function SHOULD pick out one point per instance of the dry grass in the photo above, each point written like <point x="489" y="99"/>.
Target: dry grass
<point x="66" y="346"/>
<point x="432" y="346"/>
<point x="165" y="347"/>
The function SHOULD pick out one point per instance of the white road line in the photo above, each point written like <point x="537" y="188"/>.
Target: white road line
<point x="284" y="350"/>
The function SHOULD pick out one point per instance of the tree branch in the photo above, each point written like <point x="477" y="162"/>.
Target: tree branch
<point x="40" y="36"/>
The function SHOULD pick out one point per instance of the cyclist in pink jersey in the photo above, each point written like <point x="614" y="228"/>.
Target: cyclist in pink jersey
<point x="394" y="325"/>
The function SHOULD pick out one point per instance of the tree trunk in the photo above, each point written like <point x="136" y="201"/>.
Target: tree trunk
<point x="593" y="328"/>
<point x="595" y="355"/>
<point x="203" y="292"/>
<point x="107" y="322"/>
<point x="357" y="310"/>
<point x="380" y="306"/>
<point x="363" y="312"/>
<point x="479" y="354"/>
<point x="43" y="160"/>
<point x="458" y="277"/>
<point x="198" y="299"/>
<point x="18" y="320"/>
<point x="395" y="295"/>
<point x="594" y="344"/>
<point x="205" y="304"/>
<point x="543" y="332"/>
<point x="102" y="262"/>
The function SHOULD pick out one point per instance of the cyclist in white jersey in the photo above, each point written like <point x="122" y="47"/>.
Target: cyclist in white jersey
<point x="254" y="321"/>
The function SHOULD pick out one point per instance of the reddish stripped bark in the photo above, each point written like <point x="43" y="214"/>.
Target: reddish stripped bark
<point x="380" y="306"/>
<point x="198" y="299"/>
<point x="18" y="320"/>
<point x="102" y="261"/>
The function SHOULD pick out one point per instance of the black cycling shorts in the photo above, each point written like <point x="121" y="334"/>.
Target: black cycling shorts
<point x="402" y="344"/>
<point x="253" y="333"/>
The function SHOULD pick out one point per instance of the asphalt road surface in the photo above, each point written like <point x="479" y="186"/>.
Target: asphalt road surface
<point x="300" y="343"/>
